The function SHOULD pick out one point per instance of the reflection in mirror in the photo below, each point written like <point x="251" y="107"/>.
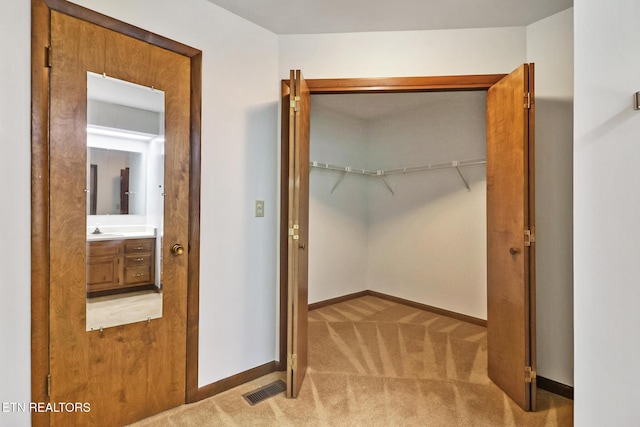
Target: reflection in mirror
<point x="125" y="202"/>
<point x="117" y="182"/>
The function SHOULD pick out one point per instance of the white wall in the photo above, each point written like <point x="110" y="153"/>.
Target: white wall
<point x="550" y="47"/>
<point x="606" y="206"/>
<point x="427" y="242"/>
<point x="338" y="222"/>
<point x="404" y="53"/>
<point x="15" y="230"/>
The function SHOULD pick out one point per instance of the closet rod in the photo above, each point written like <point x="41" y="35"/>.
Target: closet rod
<point x="454" y="164"/>
<point x="457" y="164"/>
<point x="347" y="169"/>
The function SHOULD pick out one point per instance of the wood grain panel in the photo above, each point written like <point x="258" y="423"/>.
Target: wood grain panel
<point x="108" y="22"/>
<point x="281" y="364"/>
<point x="404" y="84"/>
<point x="118" y="370"/>
<point x="69" y="352"/>
<point x="533" y="350"/>
<point x="301" y="215"/>
<point x="193" y="294"/>
<point x="298" y="223"/>
<point x="292" y="195"/>
<point x="40" y="28"/>
<point x="508" y="316"/>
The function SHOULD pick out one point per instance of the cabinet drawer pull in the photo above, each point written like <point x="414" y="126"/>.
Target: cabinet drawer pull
<point x="138" y="248"/>
<point x="138" y="275"/>
<point x="138" y="259"/>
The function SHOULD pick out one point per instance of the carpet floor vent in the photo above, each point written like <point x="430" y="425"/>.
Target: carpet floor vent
<point x="265" y="392"/>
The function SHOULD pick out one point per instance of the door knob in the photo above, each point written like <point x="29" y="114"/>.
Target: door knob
<point x="177" y="249"/>
<point x="513" y="251"/>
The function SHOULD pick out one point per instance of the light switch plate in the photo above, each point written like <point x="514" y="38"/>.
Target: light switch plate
<point x="259" y="208"/>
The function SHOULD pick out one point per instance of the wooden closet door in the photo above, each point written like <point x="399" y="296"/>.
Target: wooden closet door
<point x="298" y="224"/>
<point x="510" y="236"/>
<point x="132" y="371"/>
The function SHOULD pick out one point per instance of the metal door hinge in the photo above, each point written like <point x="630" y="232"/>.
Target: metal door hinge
<point x="529" y="374"/>
<point x="47" y="56"/>
<point x="293" y="232"/>
<point x="529" y="237"/>
<point x="49" y="385"/>
<point x="291" y="361"/>
<point x="527" y="100"/>
<point x="295" y="104"/>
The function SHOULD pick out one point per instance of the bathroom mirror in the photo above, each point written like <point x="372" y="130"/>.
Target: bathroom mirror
<point x="117" y="182"/>
<point x="125" y="202"/>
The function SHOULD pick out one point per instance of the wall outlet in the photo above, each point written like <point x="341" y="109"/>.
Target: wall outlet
<point x="260" y="208"/>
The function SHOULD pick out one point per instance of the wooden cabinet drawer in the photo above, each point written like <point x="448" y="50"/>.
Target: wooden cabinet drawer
<point x="116" y="265"/>
<point x="137" y="260"/>
<point x="137" y="275"/>
<point x="138" y="245"/>
<point x="106" y="248"/>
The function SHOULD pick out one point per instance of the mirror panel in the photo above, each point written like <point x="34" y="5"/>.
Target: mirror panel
<point x="117" y="182"/>
<point x="125" y="202"/>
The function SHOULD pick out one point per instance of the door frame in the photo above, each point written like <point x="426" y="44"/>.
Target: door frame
<point x="347" y="86"/>
<point x="398" y="85"/>
<point x="40" y="40"/>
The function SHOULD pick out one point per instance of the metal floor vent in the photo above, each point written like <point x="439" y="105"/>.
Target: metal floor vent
<point x="265" y="392"/>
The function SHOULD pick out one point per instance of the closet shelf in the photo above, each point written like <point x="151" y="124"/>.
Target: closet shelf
<point x="381" y="173"/>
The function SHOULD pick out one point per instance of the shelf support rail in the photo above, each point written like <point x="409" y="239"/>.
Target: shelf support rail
<point x="457" y="164"/>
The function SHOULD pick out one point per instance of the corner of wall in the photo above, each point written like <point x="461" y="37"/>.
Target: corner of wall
<point x="550" y="47"/>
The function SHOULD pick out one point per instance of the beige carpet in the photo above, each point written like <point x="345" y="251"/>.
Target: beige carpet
<point x="377" y="363"/>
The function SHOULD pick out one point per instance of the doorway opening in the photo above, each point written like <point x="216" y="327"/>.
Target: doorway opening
<point x="509" y="117"/>
<point x="397" y="199"/>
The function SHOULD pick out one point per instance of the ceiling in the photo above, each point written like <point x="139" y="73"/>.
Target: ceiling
<point x="338" y="16"/>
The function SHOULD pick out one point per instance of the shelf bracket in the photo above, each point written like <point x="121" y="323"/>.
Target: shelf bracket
<point x="387" y="184"/>
<point x="466" y="184"/>
<point x="339" y="181"/>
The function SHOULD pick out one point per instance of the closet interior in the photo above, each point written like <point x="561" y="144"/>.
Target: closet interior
<point x="398" y="198"/>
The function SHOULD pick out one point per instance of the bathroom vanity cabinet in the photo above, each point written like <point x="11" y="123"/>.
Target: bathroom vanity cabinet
<point x="120" y="264"/>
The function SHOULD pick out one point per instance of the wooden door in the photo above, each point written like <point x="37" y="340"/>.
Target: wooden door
<point x="511" y="236"/>
<point x="93" y="189"/>
<point x="298" y="226"/>
<point x="132" y="371"/>
<point x="124" y="191"/>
